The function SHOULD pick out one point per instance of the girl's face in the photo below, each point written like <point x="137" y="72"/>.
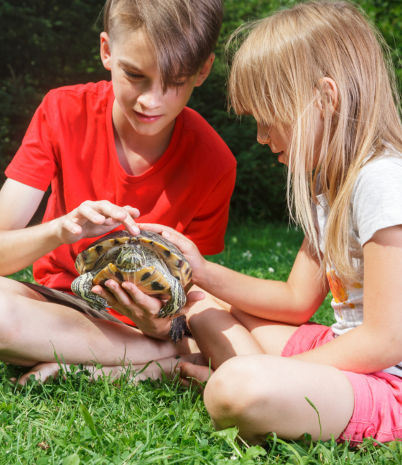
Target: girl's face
<point x="278" y="137"/>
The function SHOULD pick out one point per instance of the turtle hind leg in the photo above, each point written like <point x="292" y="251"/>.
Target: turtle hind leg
<point x="177" y="299"/>
<point x="82" y="287"/>
<point x="179" y="328"/>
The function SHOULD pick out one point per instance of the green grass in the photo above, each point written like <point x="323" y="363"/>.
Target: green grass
<point x="72" y="421"/>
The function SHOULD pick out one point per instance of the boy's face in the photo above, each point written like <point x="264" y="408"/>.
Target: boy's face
<point x="137" y="87"/>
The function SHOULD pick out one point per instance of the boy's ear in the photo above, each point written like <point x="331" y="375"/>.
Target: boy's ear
<point x="105" y="50"/>
<point x="205" y="70"/>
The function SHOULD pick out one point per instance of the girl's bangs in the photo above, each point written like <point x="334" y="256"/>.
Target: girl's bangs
<point x="256" y="80"/>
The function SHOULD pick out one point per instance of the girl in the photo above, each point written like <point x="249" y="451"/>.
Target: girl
<point x="317" y="82"/>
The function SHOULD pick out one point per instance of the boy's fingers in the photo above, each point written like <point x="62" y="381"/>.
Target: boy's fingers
<point x="149" y="303"/>
<point x="71" y="226"/>
<point x="100" y="212"/>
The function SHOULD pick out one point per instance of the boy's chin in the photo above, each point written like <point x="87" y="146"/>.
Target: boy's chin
<point x="153" y="129"/>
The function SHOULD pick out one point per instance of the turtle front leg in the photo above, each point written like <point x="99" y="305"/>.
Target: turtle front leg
<point x="82" y="287"/>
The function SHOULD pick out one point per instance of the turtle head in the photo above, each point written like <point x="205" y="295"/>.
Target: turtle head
<point x="130" y="259"/>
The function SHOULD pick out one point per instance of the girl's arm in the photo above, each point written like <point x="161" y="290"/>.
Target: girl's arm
<point x="377" y="343"/>
<point x="20" y="247"/>
<point x="292" y="302"/>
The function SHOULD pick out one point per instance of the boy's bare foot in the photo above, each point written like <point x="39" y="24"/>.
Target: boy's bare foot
<point x="43" y="371"/>
<point x="193" y="374"/>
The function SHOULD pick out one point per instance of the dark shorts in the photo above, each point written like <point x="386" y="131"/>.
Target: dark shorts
<point x="69" y="300"/>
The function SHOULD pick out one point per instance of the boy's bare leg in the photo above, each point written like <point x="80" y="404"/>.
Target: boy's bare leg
<point x="33" y="330"/>
<point x="168" y="366"/>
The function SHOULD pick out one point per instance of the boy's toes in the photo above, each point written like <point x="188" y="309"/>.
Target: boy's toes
<point x="41" y="371"/>
<point x="193" y="374"/>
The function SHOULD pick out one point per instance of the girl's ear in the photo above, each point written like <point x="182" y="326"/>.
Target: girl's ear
<point x="105" y="50"/>
<point x="329" y="92"/>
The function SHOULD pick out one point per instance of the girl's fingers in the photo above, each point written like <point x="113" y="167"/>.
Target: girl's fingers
<point x="195" y="296"/>
<point x="173" y="236"/>
<point x="158" y="228"/>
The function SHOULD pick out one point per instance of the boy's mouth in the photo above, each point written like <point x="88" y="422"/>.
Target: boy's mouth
<point x="147" y="118"/>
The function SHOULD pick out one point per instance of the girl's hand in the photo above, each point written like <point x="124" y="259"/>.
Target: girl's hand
<point x="142" y="309"/>
<point x="92" y="219"/>
<point x="187" y="247"/>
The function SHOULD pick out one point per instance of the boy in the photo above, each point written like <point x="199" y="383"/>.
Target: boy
<point x="113" y="151"/>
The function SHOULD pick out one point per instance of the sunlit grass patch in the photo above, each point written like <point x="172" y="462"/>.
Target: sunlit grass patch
<point x="73" y="421"/>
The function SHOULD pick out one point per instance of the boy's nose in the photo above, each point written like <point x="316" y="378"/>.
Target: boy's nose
<point x="151" y="98"/>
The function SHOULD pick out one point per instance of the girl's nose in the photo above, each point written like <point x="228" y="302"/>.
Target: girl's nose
<point x="263" y="136"/>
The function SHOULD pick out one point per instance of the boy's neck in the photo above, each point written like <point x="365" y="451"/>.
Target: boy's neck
<point x="137" y="153"/>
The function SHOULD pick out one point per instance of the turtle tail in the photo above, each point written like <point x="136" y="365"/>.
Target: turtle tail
<point x="179" y="328"/>
<point x="82" y="287"/>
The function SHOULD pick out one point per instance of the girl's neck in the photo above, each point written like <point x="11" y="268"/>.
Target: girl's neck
<point x="137" y="152"/>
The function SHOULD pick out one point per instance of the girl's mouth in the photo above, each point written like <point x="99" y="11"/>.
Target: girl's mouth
<point x="147" y="118"/>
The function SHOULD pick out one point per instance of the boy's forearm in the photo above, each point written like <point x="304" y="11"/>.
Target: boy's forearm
<point x="271" y="300"/>
<point x="20" y="248"/>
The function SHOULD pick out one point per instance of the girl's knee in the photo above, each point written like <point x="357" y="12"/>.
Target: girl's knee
<point x="232" y="389"/>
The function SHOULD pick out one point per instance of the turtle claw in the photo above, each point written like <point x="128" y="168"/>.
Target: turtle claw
<point x="179" y="328"/>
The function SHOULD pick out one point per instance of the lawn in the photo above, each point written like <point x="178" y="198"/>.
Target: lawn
<point x="72" y="421"/>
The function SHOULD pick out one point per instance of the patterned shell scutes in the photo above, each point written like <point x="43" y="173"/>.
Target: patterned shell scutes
<point x="169" y="253"/>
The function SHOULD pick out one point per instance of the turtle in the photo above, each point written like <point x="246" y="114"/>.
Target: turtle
<point x="151" y="262"/>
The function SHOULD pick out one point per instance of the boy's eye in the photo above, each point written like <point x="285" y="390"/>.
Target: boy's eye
<point x="133" y="75"/>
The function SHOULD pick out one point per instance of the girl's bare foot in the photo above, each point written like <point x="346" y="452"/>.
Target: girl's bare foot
<point x="194" y="373"/>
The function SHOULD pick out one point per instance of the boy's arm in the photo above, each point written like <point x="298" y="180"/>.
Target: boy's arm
<point x="20" y="246"/>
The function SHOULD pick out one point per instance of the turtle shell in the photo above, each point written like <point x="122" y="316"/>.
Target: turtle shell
<point x="177" y="264"/>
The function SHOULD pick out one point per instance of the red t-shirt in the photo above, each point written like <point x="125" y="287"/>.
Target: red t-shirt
<point x="70" y="145"/>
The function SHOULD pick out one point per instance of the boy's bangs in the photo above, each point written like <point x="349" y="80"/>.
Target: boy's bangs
<point x="182" y="32"/>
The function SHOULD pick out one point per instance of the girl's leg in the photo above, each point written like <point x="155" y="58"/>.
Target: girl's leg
<point x="222" y="331"/>
<point x="33" y="330"/>
<point x="263" y="393"/>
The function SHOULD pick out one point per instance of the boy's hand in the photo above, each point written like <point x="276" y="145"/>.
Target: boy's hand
<point x="187" y="247"/>
<point x="92" y="219"/>
<point x="142" y="309"/>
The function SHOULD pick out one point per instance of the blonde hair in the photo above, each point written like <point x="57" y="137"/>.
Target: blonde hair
<point x="277" y="76"/>
<point x="183" y="32"/>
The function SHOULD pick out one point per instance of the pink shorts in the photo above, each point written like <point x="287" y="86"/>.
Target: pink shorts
<point x="378" y="396"/>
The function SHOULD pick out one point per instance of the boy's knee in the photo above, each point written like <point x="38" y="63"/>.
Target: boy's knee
<point x="9" y="327"/>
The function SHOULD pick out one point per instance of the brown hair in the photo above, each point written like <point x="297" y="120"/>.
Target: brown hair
<point x="277" y="77"/>
<point x="183" y="32"/>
